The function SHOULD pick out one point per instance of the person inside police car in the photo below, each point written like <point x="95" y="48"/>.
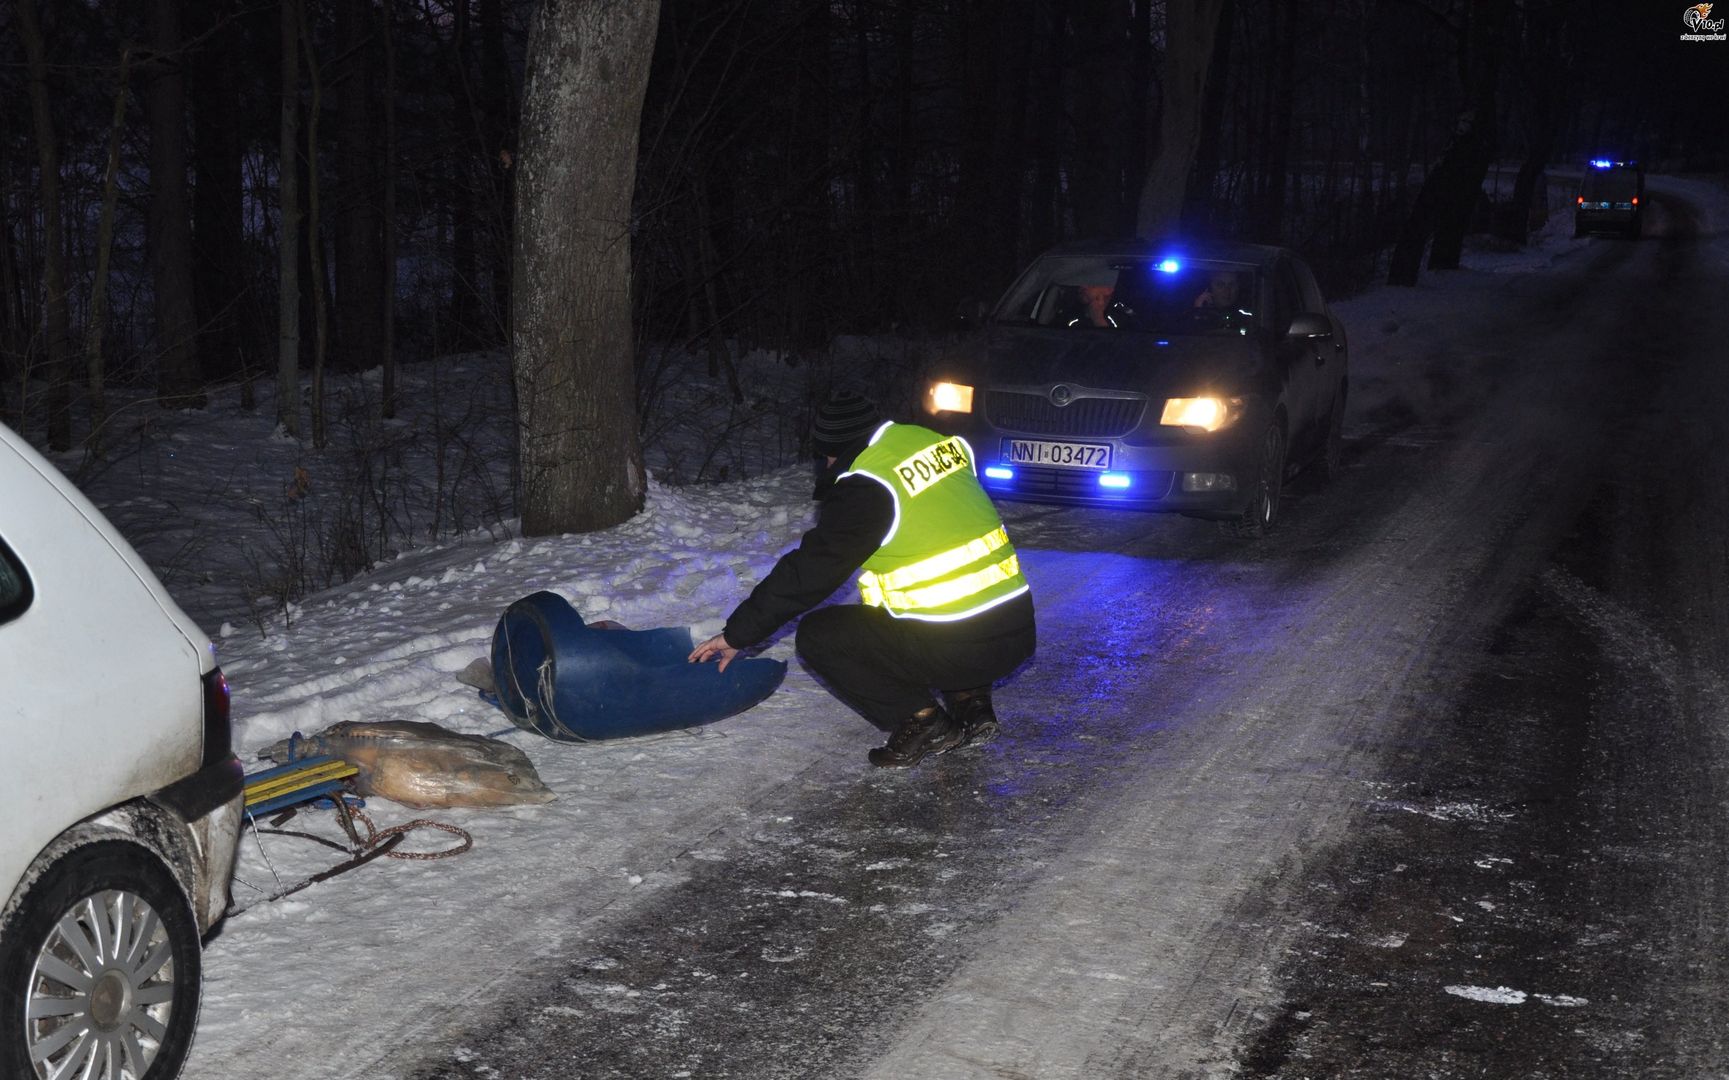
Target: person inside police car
<point x="945" y="610"/>
<point x="1223" y="290"/>
<point x="1097" y="309"/>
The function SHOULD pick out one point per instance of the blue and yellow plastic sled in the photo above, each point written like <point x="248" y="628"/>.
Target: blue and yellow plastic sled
<point x="298" y="781"/>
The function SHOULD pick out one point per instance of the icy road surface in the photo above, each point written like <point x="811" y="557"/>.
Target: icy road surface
<point x="1429" y="783"/>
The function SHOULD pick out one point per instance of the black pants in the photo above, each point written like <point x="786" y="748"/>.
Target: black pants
<point x="886" y="667"/>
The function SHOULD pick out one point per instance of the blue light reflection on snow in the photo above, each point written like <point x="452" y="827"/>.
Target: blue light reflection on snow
<point x="1107" y="664"/>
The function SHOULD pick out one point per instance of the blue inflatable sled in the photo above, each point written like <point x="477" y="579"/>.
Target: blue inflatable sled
<point x="561" y="678"/>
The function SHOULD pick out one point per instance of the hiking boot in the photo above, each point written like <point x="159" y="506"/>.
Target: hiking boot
<point x="973" y="712"/>
<point x="929" y="731"/>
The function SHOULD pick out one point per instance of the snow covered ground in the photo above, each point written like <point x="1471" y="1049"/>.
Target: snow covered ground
<point x="321" y="985"/>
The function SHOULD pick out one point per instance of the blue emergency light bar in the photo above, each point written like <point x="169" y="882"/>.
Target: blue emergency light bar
<point x="999" y="472"/>
<point x="1169" y="266"/>
<point x="1114" y="480"/>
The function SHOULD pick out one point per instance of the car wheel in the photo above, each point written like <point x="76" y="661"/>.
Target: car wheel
<point x="1332" y="459"/>
<point x="99" y="970"/>
<point x="1263" y="510"/>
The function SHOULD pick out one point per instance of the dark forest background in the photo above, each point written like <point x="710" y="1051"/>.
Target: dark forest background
<point x="807" y="168"/>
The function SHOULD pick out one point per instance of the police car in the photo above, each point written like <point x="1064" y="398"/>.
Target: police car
<point x="1183" y="377"/>
<point x="1611" y="198"/>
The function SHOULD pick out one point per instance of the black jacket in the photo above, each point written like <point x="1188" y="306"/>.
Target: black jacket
<point x="854" y="516"/>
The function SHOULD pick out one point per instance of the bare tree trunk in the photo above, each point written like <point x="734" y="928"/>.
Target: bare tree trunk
<point x="1368" y="187"/>
<point x="1138" y="115"/>
<point x="897" y="290"/>
<point x="808" y="315"/>
<point x="1282" y="104"/>
<point x="1539" y="86"/>
<point x="288" y="253"/>
<point x="357" y="239"/>
<point x="465" y="304"/>
<point x="974" y="62"/>
<point x="388" y="384"/>
<point x="178" y="385"/>
<point x="708" y="270"/>
<point x="469" y="165"/>
<point x="228" y="344"/>
<point x="1101" y="62"/>
<point x="315" y="240"/>
<point x="59" y="323"/>
<point x="1044" y="226"/>
<point x="97" y="321"/>
<point x="1008" y="150"/>
<point x="1198" y="200"/>
<point x="1405" y="264"/>
<point x="498" y="110"/>
<point x="1451" y="190"/>
<point x="572" y="353"/>
<point x="11" y="312"/>
<point x="1189" y="29"/>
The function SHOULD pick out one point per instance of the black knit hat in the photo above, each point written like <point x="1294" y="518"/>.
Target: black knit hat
<point x="845" y="418"/>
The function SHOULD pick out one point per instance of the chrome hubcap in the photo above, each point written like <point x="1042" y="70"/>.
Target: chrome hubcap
<point x="108" y="1001"/>
<point x="101" y="991"/>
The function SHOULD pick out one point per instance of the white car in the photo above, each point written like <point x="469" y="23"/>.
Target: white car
<point x="120" y="793"/>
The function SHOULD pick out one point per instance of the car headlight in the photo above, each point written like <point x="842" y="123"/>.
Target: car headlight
<point x="949" y="397"/>
<point x="1206" y="413"/>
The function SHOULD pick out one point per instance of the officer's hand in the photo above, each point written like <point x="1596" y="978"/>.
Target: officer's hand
<point x="713" y="647"/>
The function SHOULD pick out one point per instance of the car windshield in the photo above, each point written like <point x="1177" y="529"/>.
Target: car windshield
<point x="1168" y="297"/>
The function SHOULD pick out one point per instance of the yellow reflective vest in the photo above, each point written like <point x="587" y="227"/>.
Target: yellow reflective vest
<point x="947" y="555"/>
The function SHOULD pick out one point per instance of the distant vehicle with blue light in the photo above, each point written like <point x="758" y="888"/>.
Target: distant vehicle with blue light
<point x="1611" y="198"/>
<point x="1176" y="377"/>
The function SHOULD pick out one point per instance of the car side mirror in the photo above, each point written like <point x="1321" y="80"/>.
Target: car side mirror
<point x="1310" y="325"/>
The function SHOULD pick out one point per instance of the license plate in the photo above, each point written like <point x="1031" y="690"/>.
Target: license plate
<point x="1065" y="455"/>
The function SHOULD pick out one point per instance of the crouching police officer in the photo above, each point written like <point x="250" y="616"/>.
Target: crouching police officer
<point x="946" y="607"/>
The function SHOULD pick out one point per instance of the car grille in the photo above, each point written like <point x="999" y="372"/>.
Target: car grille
<point x="1034" y="480"/>
<point x="1096" y="418"/>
